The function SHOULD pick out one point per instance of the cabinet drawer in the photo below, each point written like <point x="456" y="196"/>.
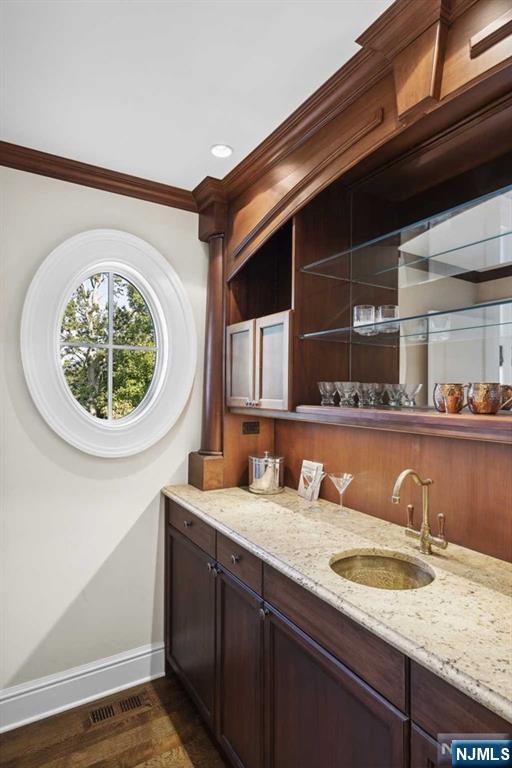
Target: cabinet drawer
<point x="440" y="708"/>
<point x="376" y="662"/>
<point x="191" y="526"/>
<point x="243" y="564"/>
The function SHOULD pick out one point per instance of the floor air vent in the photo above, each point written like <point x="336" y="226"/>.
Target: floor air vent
<point x="101" y="714"/>
<point x="132" y="702"/>
<point x="139" y="701"/>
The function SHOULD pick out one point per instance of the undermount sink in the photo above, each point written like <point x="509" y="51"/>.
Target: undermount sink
<point x="382" y="570"/>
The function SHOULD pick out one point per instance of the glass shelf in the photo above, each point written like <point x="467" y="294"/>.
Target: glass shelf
<point x="480" y="321"/>
<point x="471" y="238"/>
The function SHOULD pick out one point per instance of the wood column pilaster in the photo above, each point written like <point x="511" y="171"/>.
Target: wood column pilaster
<point x="206" y="466"/>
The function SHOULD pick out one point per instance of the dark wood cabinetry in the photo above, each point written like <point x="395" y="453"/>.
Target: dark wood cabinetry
<point x="440" y="708"/>
<point x="284" y="680"/>
<point x="318" y="713"/>
<point x="423" y="749"/>
<point x="190" y="646"/>
<point x="239" y="672"/>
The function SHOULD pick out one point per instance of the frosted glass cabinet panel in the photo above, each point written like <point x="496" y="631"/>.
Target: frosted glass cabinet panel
<point x="272" y="360"/>
<point x="257" y="362"/>
<point x="240" y="363"/>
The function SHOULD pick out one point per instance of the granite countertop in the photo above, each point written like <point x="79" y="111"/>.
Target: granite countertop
<point x="459" y="626"/>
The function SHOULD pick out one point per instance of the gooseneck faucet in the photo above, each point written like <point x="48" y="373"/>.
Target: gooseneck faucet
<point x="424" y="535"/>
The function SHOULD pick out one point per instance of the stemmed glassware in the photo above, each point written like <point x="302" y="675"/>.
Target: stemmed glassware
<point x="365" y="393"/>
<point x="394" y="393"/>
<point x="327" y="391"/>
<point x="410" y="393"/>
<point x="344" y="391"/>
<point x="376" y="392"/>
<point x="341" y="482"/>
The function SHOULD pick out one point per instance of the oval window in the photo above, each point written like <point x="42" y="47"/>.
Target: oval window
<point x="108" y="343"/>
<point x="108" y="346"/>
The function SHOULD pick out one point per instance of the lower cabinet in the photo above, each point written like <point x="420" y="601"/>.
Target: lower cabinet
<point x="273" y="697"/>
<point x="239" y="718"/>
<point x="319" y="713"/>
<point x="190" y="619"/>
<point x="271" y="694"/>
<point x="423" y="749"/>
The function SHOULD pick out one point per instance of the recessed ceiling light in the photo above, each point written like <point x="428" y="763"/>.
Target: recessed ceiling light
<point x="221" y="150"/>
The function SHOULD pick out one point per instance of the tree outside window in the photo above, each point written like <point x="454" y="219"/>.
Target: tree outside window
<point x="108" y="346"/>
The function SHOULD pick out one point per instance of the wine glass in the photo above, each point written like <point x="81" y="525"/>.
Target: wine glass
<point x="411" y="391"/>
<point x="341" y="482"/>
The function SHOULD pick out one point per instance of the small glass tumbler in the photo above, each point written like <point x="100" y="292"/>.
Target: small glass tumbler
<point x="385" y="313"/>
<point x="327" y="391"/>
<point x="364" y="319"/>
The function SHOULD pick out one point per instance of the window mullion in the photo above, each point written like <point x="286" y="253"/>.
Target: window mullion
<point x="110" y="339"/>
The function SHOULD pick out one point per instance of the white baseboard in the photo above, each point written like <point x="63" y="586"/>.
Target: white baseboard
<point x="37" y="699"/>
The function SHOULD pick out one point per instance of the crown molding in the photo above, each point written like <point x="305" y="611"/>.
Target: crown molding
<point x="402" y="23"/>
<point x="393" y="31"/>
<point x="209" y="190"/>
<point x="344" y="87"/>
<point x="55" y="167"/>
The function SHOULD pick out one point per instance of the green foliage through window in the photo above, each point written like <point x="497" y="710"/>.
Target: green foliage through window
<point x="108" y="346"/>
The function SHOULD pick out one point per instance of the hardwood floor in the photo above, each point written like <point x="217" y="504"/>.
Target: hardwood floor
<point x="151" y="726"/>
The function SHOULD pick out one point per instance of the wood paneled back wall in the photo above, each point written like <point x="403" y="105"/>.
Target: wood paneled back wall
<point x="472" y="480"/>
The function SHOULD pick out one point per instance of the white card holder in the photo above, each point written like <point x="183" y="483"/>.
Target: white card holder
<point x="311" y="477"/>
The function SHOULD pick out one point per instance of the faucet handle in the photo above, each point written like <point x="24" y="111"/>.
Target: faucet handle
<point x="410" y="515"/>
<point x="440" y="522"/>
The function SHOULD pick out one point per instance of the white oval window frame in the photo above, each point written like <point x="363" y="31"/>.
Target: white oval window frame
<point x="66" y="267"/>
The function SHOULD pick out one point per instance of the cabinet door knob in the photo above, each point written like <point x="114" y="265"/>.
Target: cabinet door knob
<point x="187" y="523"/>
<point x="209" y="566"/>
<point x="264" y="612"/>
<point x="215" y="571"/>
<point x="235" y="559"/>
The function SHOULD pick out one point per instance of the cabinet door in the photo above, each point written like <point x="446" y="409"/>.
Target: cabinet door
<point x="321" y="715"/>
<point x="190" y="642"/>
<point x="272" y="361"/>
<point x="239" y="718"/>
<point x="240" y="363"/>
<point x="423" y="749"/>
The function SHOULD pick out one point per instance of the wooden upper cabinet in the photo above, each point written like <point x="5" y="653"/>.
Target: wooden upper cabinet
<point x="240" y="363"/>
<point x="449" y="58"/>
<point x="477" y="43"/>
<point x="258" y="362"/>
<point x="309" y="166"/>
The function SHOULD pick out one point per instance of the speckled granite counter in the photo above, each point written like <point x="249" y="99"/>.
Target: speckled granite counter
<point x="459" y="626"/>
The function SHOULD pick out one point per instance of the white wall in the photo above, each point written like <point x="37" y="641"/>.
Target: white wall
<point x="82" y="542"/>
